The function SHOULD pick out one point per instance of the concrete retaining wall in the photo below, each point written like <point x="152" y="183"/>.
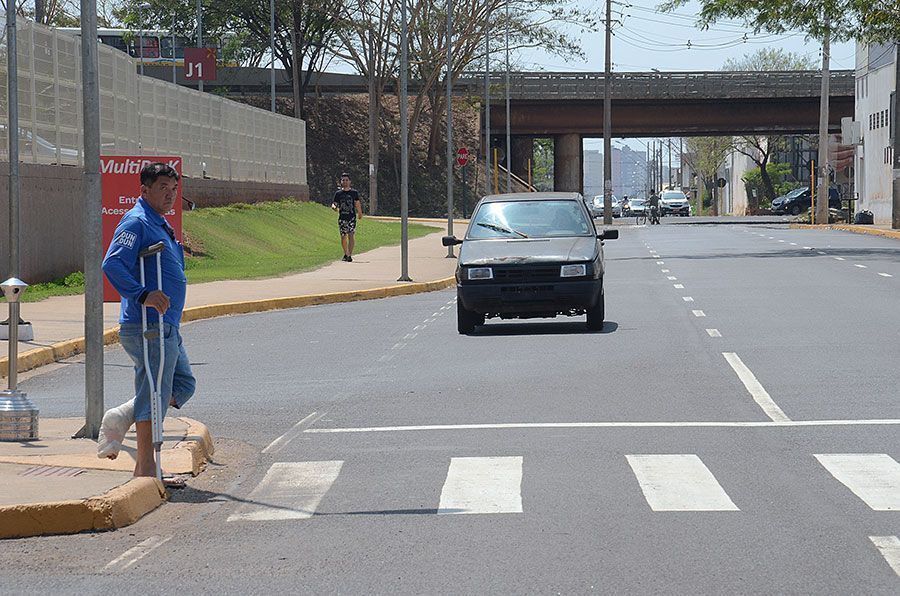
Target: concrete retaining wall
<point x="51" y="216"/>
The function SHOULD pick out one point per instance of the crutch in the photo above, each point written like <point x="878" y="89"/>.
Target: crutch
<point x="156" y="422"/>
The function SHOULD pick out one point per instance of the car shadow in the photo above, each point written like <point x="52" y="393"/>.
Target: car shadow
<point x="540" y="328"/>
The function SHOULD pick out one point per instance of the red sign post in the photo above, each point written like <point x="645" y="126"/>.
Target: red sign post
<point x="462" y="157"/>
<point x="200" y="64"/>
<point x="121" y="184"/>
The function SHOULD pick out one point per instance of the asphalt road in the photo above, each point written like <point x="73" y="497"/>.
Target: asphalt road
<point x="733" y="429"/>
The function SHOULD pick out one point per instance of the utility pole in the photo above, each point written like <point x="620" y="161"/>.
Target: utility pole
<point x="821" y="215"/>
<point x="450" y="254"/>
<point x="895" y="213"/>
<point x="199" y="36"/>
<point x="670" y="162"/>
<point x="93" y="247"/>
<point x="508" y="140"/>
<point x="404" y="146"/>
<point x="487" y="103"/>
<point x="272" y="48"/>
<point x="373" y="124"/>
<point x="607" y="122"/>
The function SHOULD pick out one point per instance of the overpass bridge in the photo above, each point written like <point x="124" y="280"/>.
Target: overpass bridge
<point x="569" y="106"/>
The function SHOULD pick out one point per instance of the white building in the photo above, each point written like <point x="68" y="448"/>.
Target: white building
<point x="875" y="84"/>
<point x="593" y="173"/>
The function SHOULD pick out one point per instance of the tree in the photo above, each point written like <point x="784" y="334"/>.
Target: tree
<point x="759" y="148"/>
<point x="706" y="155"/>
<point x="777" y="173"/>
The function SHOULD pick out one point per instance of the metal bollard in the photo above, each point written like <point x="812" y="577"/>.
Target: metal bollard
<point x="18" y="416"/>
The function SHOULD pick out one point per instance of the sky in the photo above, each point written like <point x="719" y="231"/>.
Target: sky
<point x="646" y="38"/>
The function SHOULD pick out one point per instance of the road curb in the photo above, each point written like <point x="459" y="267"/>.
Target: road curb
<point x="895" y="234"/>
<point x="59" y="351"/>
<point x="116" y="508"/>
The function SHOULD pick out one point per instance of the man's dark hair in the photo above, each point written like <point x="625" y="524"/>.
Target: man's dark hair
<point x="345" y="175"/>
<point x="153" y="171"/>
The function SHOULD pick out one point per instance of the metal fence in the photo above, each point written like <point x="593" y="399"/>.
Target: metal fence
<point x="215" y="137"/>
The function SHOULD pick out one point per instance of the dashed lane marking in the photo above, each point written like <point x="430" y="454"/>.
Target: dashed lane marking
<point x="679" y="286"/>
<point x="860" y="266"/>
<point x="282" y="441"/>
<point x="698" y="313"/>
<point x="133" y="555"/>
<point x="889" y="547"/>
<point x="687" y="298"/>
<point x="755" y="388"/>
<point x="714" y="333"/>
<point x="885" y="275"/>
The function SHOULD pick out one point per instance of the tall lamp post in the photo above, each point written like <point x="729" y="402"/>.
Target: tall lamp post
<point x="487" y="103"/>
<point x="450" y="254"/>
<point x="508" y="141"/>
<point x="272" y="47"/>
<point x="607" y="122"/>
<point x="404" y="145"/>
<point x="200" y="36"/>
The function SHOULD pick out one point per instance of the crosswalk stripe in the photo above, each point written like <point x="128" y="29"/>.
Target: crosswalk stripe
<point x="889" y="547"/>
<point x="873" y="477"/>
<point x="289" y="490"/>
<point x="482" y="485"/>
<point x="679" y="482"/>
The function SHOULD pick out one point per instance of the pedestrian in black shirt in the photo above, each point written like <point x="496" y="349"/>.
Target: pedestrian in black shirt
<point x="346" y="202"/>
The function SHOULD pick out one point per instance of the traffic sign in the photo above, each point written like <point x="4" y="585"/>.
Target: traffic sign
<point x="462" y="157"/>
<point x="200" y="64"/>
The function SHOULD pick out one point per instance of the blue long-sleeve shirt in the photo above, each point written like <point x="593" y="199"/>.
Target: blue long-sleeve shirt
<point x="141" y="227"/>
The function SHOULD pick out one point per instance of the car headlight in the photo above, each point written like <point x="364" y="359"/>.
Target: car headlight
<point x="480" y="273"/>
<point x="573" y="270"/>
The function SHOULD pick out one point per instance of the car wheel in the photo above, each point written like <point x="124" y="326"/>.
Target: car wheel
<point x="595" y="315"/>
<point x="467" y="320"/>
<point x="795" y="210"/>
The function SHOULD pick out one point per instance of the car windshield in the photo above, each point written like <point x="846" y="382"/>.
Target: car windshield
<point x="530" y="219"/>
<point x="673" y="195"/>
<point x="796" y="192"/>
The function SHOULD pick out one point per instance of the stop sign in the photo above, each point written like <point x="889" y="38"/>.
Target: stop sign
<point x="462" y="157"/>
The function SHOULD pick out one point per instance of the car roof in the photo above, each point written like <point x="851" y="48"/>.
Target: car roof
<point x="533" y="196"/>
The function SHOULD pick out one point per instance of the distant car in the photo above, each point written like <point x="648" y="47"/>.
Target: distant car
<point x="800" y="199"/>
<point x="530" y="255"/>
<point x="597" y="206"/>
<point x="674" y="202"/>
<point x="637" y="206"/>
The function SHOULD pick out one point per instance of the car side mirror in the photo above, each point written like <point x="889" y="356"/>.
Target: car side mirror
<point x="450" y="241"/>
<point x="608" y="235"/>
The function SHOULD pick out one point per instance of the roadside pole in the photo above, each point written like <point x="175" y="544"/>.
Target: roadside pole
<point x="508" y="140"/>
<point x="450" y="254"/>
<point x="12" y="70"/>
<point x="272" y="48"/>
<point x="821" y="210"/>
<point x="93" y="235"/>
<point x="895" y="211"/>
<point x="487" y="103"/>
<point x="607" y="123"/>
<point x="404" y="146"/>
<point x="200" y="36"/>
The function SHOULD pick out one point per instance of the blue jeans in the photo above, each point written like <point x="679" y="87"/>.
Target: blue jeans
<point x="178" y="381"/>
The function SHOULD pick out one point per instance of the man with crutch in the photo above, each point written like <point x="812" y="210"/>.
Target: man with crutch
<point x="145" y="264"/>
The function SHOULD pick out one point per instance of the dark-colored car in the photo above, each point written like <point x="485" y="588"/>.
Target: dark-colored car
<point x="800" y="199"/>
<point x="530" y="255"/>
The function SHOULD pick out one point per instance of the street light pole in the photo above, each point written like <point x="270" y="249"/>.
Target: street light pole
<point x="13" y="132"/>
<point x="508" y="140"/>
<point x="895" y="211"/>
<point x="174" y="75"/>
<point x="404" y="145"/>
<point x="607" y="122"/>
<point x="450" y="254"/>
<point x="200" y="36"/>
<point x="487" y="104"/>
<point x="272" y="47"/>
<point x="821" y="214"/>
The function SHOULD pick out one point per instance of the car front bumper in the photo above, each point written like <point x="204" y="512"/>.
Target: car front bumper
<point x="534" y="299"/>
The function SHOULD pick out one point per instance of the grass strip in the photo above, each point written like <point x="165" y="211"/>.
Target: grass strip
<point x="261" y="240"/>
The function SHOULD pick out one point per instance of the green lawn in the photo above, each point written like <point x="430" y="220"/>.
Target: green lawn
<point x="256" y="241"/>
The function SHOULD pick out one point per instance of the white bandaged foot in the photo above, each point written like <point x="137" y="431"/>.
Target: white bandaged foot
<point x="113" y="427"/>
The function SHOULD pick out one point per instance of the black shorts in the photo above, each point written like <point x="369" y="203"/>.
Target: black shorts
<point x="347" y="226"/>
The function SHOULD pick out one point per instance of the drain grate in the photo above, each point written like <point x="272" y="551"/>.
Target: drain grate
<point x="53" y="471"/>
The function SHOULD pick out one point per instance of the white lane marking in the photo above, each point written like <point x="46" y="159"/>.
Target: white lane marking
<point x="678" y="286"/>
<point x="386" y="357"/>
<point x="664" y="271"/>
<point x="781" y="240"/>
<point x="755" y="388"/>
<point x="133" y="555"/>
<point x="793" y="244"/>
<point x="873" y="477"/>
<point x="885" y="275"/>
<point x="482" y="485"/>
<point x="672" y="278"/>
<point x="889" y="547"/>
<point x="687" y="298"/>
<point x="290" y="490"/>
<point x="839" y="258"/>
<point x="714" y="333"/>
<point x="679" y="483"/>
<point x="428" y="320"/>
<point x="698" y="313"/>
<point x="821" y="252"/>
<point x="398" y="346"/>
<point x="282" y="441"/>
<point x="554" y="425"/>
<point x="771" y="237"/>
<point x="416" y="328"/>
<point x="434" y="314"/>
<point x="409" y="336"/>
<point x="860" y="266"/>
<point x="660" y="262"/>
<point x="807" y="248"/>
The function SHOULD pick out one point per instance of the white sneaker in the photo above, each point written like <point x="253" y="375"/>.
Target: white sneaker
<point x="113" y="427"/>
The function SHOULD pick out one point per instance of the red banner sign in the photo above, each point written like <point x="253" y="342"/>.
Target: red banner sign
<point x="200" y="64"/>
<point x="121" y="183"/>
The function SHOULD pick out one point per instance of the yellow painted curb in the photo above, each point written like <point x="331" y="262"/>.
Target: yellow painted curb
<point x="850" y="228"/>
<point x="59" y="351"/>
<point x="119" y="507"/>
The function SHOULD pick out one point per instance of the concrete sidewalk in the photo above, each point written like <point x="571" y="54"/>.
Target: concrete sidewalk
<point x="57" y="485"/>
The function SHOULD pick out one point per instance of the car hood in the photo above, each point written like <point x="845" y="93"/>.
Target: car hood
<point x="527" y="250"/>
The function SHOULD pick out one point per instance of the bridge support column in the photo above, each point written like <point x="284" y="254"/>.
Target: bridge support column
<point x="568" y="164"/>
<point x="522" y="151"/>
